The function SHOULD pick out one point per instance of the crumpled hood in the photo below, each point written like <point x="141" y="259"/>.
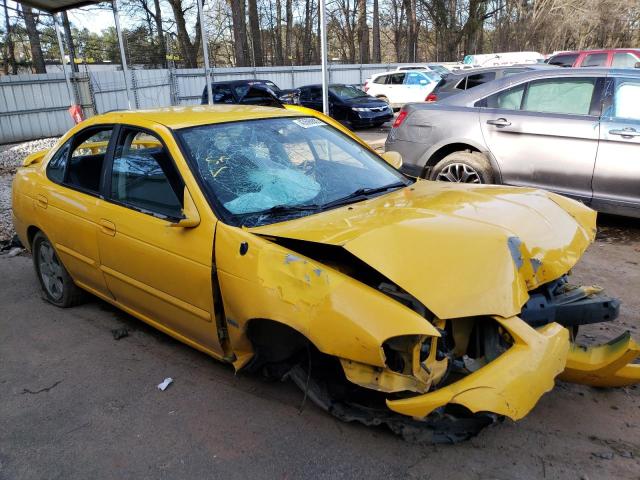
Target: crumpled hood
<point x="461" y="250"/>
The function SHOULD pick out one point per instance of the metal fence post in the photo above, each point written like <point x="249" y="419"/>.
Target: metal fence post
<point x="123" y="57"/>
<point x="205" y="51"/>
<point x="72" y="100"/>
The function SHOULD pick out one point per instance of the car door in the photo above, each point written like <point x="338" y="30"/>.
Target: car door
<point x="161" y="271"/>
<point x="616" y="178"/>
<point x="395" y="89"/>
<point x="311" y="97"/>
<point x="544" y="133"/>
<point x="415" y="84"/>
<point x="67" y="206"/>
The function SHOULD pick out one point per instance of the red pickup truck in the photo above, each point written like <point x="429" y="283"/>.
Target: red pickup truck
<point x="613" y="57"/>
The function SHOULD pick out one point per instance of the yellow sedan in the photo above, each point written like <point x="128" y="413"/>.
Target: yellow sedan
<point x="275" y="240"/>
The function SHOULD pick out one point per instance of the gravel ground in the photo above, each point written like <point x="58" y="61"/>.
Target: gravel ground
<point x="11" y="156"/>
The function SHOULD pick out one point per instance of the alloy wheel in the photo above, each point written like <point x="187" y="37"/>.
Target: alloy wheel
<point x="459" y="173"/>
<point x="50" y="270"/>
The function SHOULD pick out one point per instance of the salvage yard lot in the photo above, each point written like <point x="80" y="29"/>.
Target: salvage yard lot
<point x="76" y="403"/>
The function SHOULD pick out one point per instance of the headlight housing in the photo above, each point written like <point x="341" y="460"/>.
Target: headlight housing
<point x="360" y="109"/>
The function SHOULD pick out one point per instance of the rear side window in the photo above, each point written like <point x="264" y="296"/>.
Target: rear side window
<point x="462" y="84"/>
<point x="479" y="79"/>
<point x="570" y="96"/>
<point x="564" y="60"/>
<point x="595" y="60"/>
<point x="510" y="99"/>
<point x="144" y="177"/>
<point x="380" y="79"/>
<point x="396" y="79"/>
<point x="87" y="158"/>
<point x="415" y="78"/>
<point x="57" y="164"/>
<point x="624" y="60"/>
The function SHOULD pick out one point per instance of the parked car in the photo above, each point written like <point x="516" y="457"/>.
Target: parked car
<point x="277" y="243"/>
<point x="572" y="131"/>
<point x="234" y="91"/>
<point x="503" y="58"/>
<point x="613" y="57"/>
<point x="461" y="80"/>
<point x="348" y="104"/>
<point x="433" y="67"/>
<point x="398" y="88"/>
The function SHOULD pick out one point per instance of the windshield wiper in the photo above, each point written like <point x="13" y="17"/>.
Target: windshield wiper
<point x="362" y="192"/>
<point x="283" y="208"/>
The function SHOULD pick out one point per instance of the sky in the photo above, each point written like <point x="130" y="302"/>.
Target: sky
<point x="93" y="18"/>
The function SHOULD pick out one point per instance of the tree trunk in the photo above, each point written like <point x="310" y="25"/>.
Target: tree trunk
<point x="70" y="45"/>
<point x="363" y="31"/>
<point x="10" y="51"/>
<point x="307" y="50"/>
<point x="162" y="46"/>
<point x="189" y="50"/>
<point x="34" y="40"/>
<point x="377" y="57"/>
<point x="256" y="39"/>
<point x="278" y="34"/>
<point x="240" y="45"/>
<point x="287" y="35"/>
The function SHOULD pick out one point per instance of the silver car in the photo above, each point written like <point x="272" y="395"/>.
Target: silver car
<point x="573" y="131"/>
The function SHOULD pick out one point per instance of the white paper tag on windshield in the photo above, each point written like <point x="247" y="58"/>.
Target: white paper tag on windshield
<point x="308" y="122"/>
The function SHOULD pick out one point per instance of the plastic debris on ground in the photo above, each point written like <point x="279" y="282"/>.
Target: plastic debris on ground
<point x="165" y="383"/>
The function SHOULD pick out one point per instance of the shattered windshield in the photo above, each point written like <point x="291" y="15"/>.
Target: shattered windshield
<point x="269" y="170"/>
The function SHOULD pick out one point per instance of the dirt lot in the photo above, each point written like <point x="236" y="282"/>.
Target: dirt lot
<point x="75" y="403"/>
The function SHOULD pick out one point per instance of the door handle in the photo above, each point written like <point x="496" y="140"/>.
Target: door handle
<point x="42" y="201"/>
<point x="107" y="227"/>
<point x="626" y="132"/>
<point x="499" y="122"/>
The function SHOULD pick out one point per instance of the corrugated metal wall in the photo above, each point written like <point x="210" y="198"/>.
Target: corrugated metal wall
<point x="35" y="106"/>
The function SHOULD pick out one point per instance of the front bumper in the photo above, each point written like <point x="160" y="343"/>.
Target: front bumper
<point x="510" y="385"/>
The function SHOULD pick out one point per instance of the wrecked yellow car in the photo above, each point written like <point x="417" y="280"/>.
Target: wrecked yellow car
<point x="275" y="240"/>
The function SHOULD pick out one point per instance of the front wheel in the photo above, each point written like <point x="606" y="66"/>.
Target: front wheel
<point x="55" y="281"/>
<point x="463" y="167"/>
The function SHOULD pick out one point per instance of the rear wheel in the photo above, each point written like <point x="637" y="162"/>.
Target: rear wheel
<point x="463" y="167"/>
<point x="55" y="281"/>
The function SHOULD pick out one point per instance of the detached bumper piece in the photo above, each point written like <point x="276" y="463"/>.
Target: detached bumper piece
<point x="608" y="365"/>
<point x="569" y="305"/>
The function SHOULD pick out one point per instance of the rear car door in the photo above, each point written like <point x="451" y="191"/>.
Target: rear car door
<point x="161" y="271"/>
<point x="616" y="178"/>
<point x="544" y="133"/>
<point x="68" y="207"/>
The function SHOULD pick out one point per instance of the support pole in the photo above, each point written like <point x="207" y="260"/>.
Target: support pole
<point x="205" y="51"/>
<point x="323" y="54"/>
<point x="123" y="57"/>
<point x="72" y="100"/>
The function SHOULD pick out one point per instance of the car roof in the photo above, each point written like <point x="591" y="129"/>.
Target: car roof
<point x="189" y="116"/>
<point x="471" y="95"/>
<point x="237" y="82"/>
<point x="473" y="71"/>
<point x="595" y="50"/>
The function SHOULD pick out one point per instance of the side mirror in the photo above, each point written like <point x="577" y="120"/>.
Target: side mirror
<point x="637" y="65"/>
<point x="393" y="158"/>
<point x="423" y="82"/>
<point x="191" y="217"/>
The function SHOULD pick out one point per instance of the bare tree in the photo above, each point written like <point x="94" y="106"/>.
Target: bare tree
<point x="256" y="36"/>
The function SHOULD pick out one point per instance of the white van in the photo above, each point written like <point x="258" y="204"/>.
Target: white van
<point x="400" y="87"/>
<point x="505" y="58"/>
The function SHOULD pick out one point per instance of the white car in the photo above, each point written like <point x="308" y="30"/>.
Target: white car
<point x="400" y="87"/>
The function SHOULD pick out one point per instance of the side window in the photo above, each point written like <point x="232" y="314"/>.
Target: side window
<point x="595" y="60"/>
<point x="396" y="79"/>
<point x="626" y="98"/>
<point x="57" y="164"/>
<point x="144" y="177"/>
<point x="381" y="79"/>
<point x="563" y="60"/>
<point x="510" y="99"/>
<point x="560" y="95"/>
<point x="223" y="94"/>
<point x="479" y="79"/>
<point x="624" y="60"/>
<point x="87" y="158"/>
<point x="304" y="94"/>
<point x="315" y="94"/>
<point x="462" y="84"/>
<point x="415" y="79"/>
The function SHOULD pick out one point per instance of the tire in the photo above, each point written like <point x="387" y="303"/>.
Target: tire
<point x="56" y="283"/>
<point x="378" y="124"/>
<point x="463" y="167"/>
